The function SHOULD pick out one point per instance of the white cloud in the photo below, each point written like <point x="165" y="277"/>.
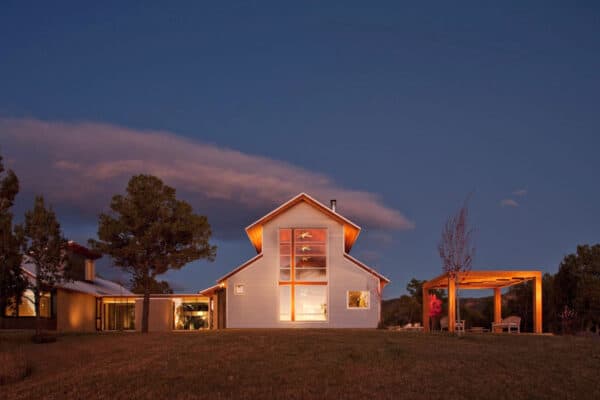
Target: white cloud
<point x="83" y="164"/>
<point x="520" y="192"/>
<point x="509" y="203"/>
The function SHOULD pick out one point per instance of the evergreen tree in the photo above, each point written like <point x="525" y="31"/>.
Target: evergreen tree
<point x="45" y="247"/>
<point x="12" y="281"/>
<point x="150" y="232"/>
<point x="577" y="286"/>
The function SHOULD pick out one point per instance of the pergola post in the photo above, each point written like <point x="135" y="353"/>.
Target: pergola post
<point x="537" y="303"/>
<point x="497" y="305"/>
<point x="451" y="304"/>
<point x="426" y="325"/>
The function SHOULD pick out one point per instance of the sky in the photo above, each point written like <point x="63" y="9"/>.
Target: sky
<point x="399" y="111"/>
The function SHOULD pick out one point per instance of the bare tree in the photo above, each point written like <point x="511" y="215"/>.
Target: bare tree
<point x="456" y="247"/>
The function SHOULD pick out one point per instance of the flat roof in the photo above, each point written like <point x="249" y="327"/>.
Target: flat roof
<point x="484" y="279"/>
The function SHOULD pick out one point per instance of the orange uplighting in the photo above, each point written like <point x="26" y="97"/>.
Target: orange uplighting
<point x="255" y="231"/>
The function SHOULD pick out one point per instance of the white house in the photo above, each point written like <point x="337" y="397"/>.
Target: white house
<point x="302" y="276"/>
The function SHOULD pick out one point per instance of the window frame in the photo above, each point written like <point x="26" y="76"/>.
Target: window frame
<point x="293" y="283"/>
<point x="368" y="292"/>
<point x="239" y="285"/>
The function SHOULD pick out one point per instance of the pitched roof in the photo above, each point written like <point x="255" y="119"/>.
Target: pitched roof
<point x="367" y="268"/>
<point x="351" y="230"/>
<point x="97" y="287"/>
<point x="239" y="268"/>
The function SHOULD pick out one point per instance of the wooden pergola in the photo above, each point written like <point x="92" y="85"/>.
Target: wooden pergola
<point x="484" y="280"/>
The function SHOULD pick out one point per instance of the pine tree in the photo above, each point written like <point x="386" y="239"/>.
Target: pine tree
<point x="150" y="232"/>
<point x="45" y="247"/>
<point x="12" y="281"/>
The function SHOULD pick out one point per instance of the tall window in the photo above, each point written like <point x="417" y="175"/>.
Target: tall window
<point x="119" y="315"/>
<point x="303" y="274"/>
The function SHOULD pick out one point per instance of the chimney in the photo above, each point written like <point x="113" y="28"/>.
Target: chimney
<point x="90" y="273"/>
<point x="333" y="203"/>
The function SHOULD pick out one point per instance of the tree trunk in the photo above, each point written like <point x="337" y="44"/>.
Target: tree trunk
<point x="146" y="305"/>
<point x="2" y="312"/>
<point x="457" y="305"/>
<point x="36" y="296"/>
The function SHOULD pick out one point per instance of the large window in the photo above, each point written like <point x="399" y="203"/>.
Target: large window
<point x="191" y="314"/>
<point x="303" y="274"/>
<point x="119" y="316"/>
<point x="27" y="306"/>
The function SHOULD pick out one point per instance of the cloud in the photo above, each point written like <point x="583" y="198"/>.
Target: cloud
<point x="509" y="203"/>
<point x="520" y="192"/>
<point x="81" y="165"/>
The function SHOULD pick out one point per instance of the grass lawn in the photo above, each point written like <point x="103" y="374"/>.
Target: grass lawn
<point x="295" y="364"/>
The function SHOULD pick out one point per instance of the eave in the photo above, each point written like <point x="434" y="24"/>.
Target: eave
<point x="255" y="230"/>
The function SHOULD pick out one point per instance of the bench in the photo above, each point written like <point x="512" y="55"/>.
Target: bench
<point x="512" y="324"/>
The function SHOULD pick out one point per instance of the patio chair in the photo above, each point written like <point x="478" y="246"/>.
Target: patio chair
<point x="443" y="323"/>
<point x="512" y="324"/>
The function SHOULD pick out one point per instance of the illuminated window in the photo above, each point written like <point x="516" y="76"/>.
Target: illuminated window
<point x="311" y="303"/>
<point x="191" y="314"/>
<point x="27" y="306"/>
<point x="358" y="299"/>
<point x="119" y="316"/>
<point x="239" y="289"/>
<point x="303" y="274"/>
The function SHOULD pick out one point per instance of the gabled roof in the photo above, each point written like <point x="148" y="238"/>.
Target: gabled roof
<point x="351" y="230"/>
<point x="382" y="278"/>
<point x="239" y="268"/>
<point x="384" y="281"/>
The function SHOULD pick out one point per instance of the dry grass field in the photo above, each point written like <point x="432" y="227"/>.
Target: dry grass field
<point x="299" y="364"/>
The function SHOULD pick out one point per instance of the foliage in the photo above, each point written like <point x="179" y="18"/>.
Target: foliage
<point x="150" y="232"/>
<point x="577" y="285"/>
<point x="12" y="281"/>
<point x="156" y="287"/>
<point x="415" y="289"/>
<point x="567" y="317"/>
<point x="435" y="306"/>
<point x="455" y="248"/>
<point x="45" y="247"/>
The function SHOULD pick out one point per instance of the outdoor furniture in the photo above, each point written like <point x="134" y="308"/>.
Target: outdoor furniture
<point x="460" y="325"/>
<point x="443" y="323"/>
<point x="416" y="327"/>
<point x="512" y="324"/>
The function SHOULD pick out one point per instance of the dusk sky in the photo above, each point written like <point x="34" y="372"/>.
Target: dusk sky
<point x="398" y="111"/>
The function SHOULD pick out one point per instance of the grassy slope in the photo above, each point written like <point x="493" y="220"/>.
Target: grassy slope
<point x="349" y="364"/>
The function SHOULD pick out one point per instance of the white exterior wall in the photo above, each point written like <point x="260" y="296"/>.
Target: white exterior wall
<point x="258" y="307"/>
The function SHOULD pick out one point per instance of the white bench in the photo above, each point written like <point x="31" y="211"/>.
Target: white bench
<point x="512" y="324"/>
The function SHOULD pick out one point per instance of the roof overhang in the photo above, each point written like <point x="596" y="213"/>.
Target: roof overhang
<point x="484" y="279"/>
<point x="255" y="230"/>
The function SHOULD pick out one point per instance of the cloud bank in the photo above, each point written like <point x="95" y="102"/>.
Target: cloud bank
<point x="81" y="165"/>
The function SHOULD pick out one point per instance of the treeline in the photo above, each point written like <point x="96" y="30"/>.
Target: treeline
<point x="570" y="299"/>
